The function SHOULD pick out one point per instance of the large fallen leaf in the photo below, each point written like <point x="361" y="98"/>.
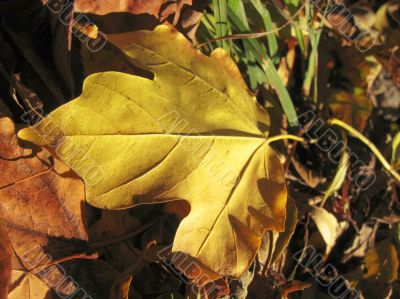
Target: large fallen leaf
<point x="5" y="262"/>
<point x="193" y="133"/>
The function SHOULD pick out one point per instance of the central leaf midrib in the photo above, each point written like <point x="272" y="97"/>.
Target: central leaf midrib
<point x="182" y="135"/>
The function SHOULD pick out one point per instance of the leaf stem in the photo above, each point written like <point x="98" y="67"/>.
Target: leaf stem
<point x="285" y="136"/>
<point x="367" y="142"/>
<point x="80" y="256"/>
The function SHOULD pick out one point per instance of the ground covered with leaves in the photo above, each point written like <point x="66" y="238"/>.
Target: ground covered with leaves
<point x="199" y="149"/>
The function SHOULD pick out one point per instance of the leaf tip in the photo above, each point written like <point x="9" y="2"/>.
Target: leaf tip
<point x="28" y="134"/>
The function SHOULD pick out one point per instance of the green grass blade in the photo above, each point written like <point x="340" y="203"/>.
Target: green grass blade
<point x="269" y="26"/>
<point x="283" y="95"/>
<point x="255" y="73"/>
<point x="259" y="52"/>
<point x="312" y="68"/>
<point x="238" y="7"/>
<point x="221" y="23"/>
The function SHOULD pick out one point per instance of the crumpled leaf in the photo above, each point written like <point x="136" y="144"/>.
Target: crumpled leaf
<point x="154" y="7"/>
<point x="274" y="243"/>
<point x="328" y="226"/>
<point x="193" y="133"/>
<point x="5" y="261"/>
<point x="363" y="241"/>
<point x="130" y="15"/>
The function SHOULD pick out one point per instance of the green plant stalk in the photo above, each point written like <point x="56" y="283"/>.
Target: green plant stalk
<point x="367" y="142"/>
<point x="312" y="70"/>
<point x="340" y="175"/>
<point x="292" y="7"/>
<point x="285" y="137"/>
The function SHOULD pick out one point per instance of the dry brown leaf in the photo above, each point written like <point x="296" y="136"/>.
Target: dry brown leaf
<point x="130" y="15"/>
<point x="309" y="176"/>
<point x="41" y="201"/>
<point x="294" y="286"/>
<point x="103" y="7"/>
<point x="42" y="204"/>
<point x="43" y="184"/>
<point x="29" y="287"/>
<point x="5" y="261"/>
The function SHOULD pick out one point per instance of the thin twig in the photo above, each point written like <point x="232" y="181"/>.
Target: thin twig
<point x="80" y="256"/>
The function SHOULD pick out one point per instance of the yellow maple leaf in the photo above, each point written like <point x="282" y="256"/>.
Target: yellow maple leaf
<point x="193" y="133"/>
